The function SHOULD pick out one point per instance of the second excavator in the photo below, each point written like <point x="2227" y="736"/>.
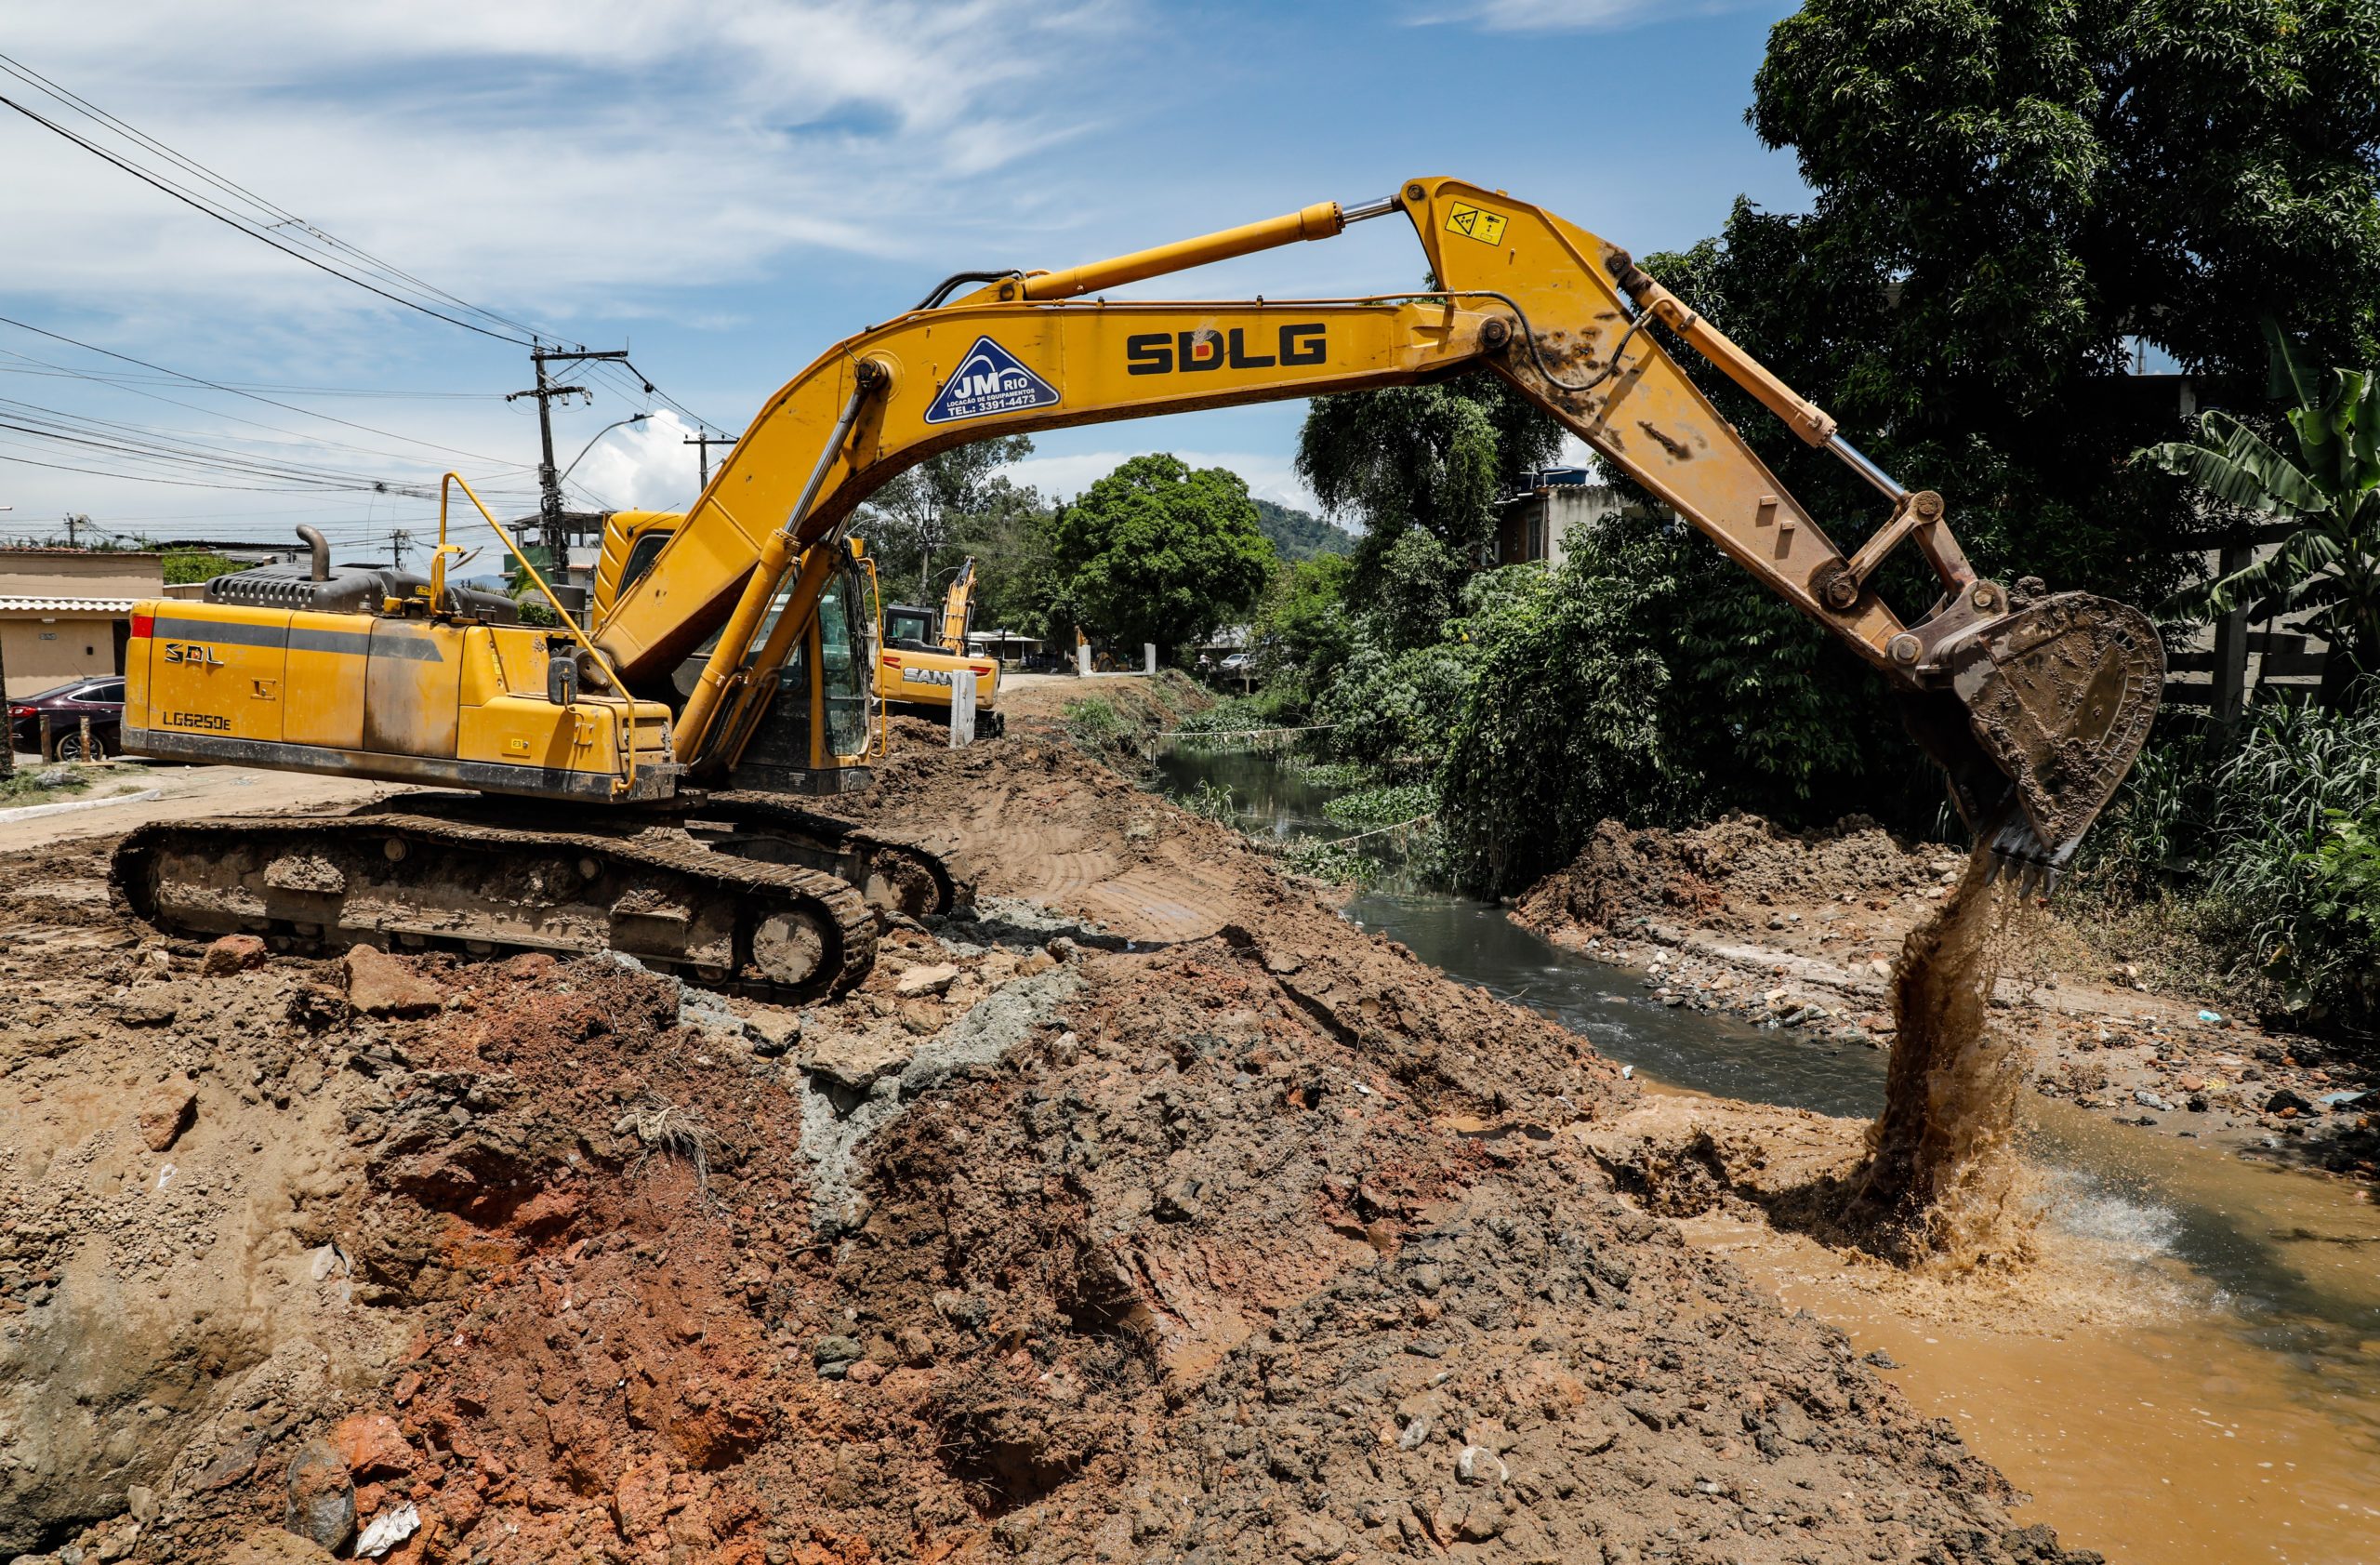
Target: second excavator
<point x="644" y="786"/>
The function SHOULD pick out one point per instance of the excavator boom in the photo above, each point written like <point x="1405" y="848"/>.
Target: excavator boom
<point x="2035" y="708"/>
<point x="728" y="668"/>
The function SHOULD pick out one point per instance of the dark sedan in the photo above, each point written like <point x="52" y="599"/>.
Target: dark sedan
<point x="101" y="699"/>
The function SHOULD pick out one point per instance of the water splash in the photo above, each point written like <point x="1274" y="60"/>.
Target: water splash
<point x="1943" y="1185"/>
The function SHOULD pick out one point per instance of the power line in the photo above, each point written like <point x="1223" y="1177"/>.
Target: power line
<point x="233" y="391"/>
<point x="287" y="232"/>
<point x="180" y="447"/>
<point x="362" y="393"/>
<point x="198" y="204"/>
<point x="283" y="219"/>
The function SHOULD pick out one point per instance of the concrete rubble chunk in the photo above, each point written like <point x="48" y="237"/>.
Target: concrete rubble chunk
<point x="921" y="981"/>
<point x="378" y="985"/>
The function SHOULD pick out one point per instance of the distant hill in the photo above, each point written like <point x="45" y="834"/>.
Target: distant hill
<point x="1297" y="535"/>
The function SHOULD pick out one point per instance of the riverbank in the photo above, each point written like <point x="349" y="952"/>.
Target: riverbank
<point x="1797" y="933"/>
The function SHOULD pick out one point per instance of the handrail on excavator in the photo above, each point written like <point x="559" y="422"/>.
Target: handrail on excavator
<point x="627" y="780"/>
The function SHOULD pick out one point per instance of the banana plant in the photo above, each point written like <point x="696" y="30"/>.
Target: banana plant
<point x="2327" y="566"/>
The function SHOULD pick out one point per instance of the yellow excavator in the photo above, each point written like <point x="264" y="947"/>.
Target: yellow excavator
<point x="925" y="652"/>
<point x="644" y="786"/>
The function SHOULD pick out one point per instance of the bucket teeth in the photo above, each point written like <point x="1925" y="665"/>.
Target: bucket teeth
<point x="2017" y="856"/>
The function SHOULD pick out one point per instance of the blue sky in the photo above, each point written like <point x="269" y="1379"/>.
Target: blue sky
<point x="728" y="188"/>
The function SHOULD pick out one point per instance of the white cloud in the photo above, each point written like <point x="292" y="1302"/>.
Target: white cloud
<point x="640" y="467"/>
<point x="553" y="150"/>
<point x="1269" y="474"/>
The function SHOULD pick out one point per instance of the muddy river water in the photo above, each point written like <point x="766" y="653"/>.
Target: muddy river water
<point x="2214" y="1394"/>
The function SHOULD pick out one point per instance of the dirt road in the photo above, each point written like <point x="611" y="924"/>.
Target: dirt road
<point x="1147" y="1210"/>
<point x="186" y="793"/>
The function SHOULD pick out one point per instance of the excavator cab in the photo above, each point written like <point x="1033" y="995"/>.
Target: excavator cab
<point x="811" y="723"/>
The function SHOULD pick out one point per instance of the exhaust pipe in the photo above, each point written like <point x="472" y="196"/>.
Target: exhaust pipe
<point x="321" y="547"/>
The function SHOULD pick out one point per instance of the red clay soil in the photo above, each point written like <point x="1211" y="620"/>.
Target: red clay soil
<point x="1261" y="1242"/>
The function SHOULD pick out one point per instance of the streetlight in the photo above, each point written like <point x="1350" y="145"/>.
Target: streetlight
<point x="607" y="429"/>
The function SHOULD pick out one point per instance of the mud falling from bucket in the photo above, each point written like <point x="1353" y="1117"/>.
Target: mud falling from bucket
<point x="1943" y="1185"/>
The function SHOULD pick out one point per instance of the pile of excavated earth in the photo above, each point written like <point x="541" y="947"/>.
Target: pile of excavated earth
<point x="1141" y="1210"/>
<point x="1798" y="931"/>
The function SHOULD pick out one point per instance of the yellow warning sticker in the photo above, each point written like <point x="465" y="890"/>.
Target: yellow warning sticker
<point x="1476" y="222"/>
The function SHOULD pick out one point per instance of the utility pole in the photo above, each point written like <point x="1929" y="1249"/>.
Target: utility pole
<point x="399" y="541"/>
<point x="550" y="526"/>
<point x="706" y="440"/>
<point x="75" y="521"/>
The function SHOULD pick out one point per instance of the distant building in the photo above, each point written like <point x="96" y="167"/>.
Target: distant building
<point x="66" y="614"/>
<point x="1532" y="521"/>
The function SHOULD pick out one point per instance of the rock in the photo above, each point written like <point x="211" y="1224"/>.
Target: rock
<point x="148" y="1009"/>
<point x="1483" y="1521"/>
<point x="916" y="1347"/>
<point x="868" y="1372"/>
<point x="772" y="1033"/>
<point x="856" y="1061"/>
<point x="141" y="1502"/>
<point x="1179" y="1203"/>
<point x="1415" y="1433"/>
<point x="1881" y="1359"/>
<point x="835" y="1357"/>
<point x="372" y="1446"/>
<point x="317" y="1008"/>
<point x="271" y="1545"/>
<point x="2286" y="1101"/>
<point x="320" y="1502"/>
<point x="233" y="953"/>
<point x="921" y="981"/>
<point x="378" y="985"/>
<point x="2148" y="1099"/>
<point x="1479" y="1464"/>
<point x="387" y="1530"/>
<point x="165" y="1117"/>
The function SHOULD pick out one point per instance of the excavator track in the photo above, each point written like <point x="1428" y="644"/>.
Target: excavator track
<point x="405" y="880"/>
<point x="896" y="872"/>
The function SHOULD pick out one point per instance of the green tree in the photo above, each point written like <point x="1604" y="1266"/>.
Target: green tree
<point x="1007" y="534"/>
<point x="1299" y="535"/>
<point x="1637" y="681"/>
<point x="1302" y="625"/>
<point x="189" y="565"/>
<point x="2328" y="566"/>
<point x="2006" y="191"/>
<point x="1156" y="552"/>
<point x="1430" y="460"/>
<point x="913" y="518"/>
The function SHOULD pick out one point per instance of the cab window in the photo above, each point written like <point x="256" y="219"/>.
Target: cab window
<point x="642" y="554"/>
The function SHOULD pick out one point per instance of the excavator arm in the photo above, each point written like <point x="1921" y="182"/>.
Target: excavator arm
<point x="2035" y="709"/>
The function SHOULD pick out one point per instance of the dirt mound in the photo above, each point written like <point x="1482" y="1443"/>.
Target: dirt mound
<point x="1265" y="1240"/>
<point x="1032" y="818"/>
<point x="1709" y="873"/>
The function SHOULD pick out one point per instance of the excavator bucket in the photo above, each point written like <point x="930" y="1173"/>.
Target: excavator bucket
<point x="2045" y="710"/>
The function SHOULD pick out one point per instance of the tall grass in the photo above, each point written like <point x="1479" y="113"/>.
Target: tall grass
<point x="2272" y="835"/>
